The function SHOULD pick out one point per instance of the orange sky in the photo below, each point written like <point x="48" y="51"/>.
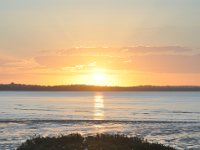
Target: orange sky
<point x="115" y="42"/>
<point x="124" y="66"/>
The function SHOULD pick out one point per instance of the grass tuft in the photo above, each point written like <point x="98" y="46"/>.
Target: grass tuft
<point x="97" y="142"/>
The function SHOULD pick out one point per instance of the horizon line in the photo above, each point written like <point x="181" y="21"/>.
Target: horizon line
<point x="145" y="85"/>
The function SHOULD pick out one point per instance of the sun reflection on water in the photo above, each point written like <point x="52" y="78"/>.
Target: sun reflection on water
<point x="98" y="107"/>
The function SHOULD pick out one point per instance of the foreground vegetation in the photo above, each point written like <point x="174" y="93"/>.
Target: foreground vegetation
<point x="98" y="142"/>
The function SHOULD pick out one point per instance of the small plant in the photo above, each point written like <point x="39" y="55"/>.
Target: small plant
<point x="97" y="142"/>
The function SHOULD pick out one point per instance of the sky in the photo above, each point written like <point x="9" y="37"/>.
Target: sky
<point x="100" y="42"/>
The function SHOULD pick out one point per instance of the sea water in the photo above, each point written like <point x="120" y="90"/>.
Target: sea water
<point x="170" y="118"/>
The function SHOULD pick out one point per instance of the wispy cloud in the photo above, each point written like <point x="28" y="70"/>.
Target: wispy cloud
<point x="156" y="49"/>
<point x="163" y="63"/>
<point x="113" y="50"/>
<point x="167" y="59"/>
<point x="78" y="61"/>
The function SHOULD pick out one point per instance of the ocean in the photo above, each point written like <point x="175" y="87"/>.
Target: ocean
<point x="170" y="118"/>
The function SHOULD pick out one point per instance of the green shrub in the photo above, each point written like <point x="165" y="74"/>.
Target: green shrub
<point x="97" y="142"/>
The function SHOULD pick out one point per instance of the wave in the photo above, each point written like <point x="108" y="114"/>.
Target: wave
<point x="36" y="121"/>
<point x="185" y="112"/>
<point x="35" y="109"/>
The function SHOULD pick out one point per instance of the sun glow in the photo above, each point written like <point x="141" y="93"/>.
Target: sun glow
<point x="99" y="77"/>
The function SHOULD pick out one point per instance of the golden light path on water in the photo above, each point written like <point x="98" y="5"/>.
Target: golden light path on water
<point x="98" y="106"/>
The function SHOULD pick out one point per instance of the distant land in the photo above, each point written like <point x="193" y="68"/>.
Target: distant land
<point x="24" y="87"/>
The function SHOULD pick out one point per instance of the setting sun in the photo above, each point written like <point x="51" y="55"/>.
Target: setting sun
<point x="99" y="77"/>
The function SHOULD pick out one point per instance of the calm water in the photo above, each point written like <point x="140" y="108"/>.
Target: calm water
<point x="171" y="118"/>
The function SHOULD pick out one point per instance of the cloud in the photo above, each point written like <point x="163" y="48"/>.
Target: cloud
<point x="151" y="65"/>
<point x="117" y="52"/>
<point x="163" y="63"/>
<point x="145" y="63"/>
<point x="72" y="61"/>
<point x="10" y="66"/>
<point x="156" y="49"/>
<point x="168" y="59"/>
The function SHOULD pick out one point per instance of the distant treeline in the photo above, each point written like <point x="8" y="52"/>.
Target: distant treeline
<point x="23" y="87"/>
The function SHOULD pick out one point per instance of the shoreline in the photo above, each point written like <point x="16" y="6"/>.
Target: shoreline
<point x="95" y="88"/>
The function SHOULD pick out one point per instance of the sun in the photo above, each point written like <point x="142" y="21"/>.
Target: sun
<point x="99" y="77"/>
